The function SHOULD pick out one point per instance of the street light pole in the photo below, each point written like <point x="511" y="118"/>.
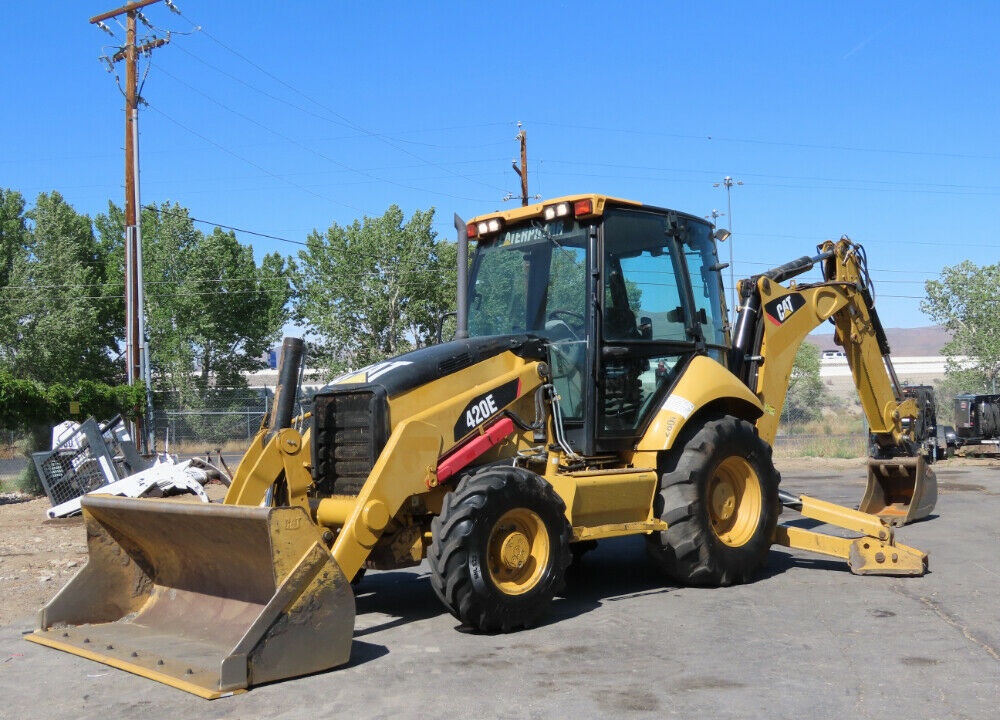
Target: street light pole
<point x="727" y="183"/>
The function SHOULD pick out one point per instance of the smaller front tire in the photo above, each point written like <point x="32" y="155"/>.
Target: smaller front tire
<point x="500" y="549"/>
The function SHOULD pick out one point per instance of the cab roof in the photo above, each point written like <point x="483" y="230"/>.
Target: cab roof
<point x="518" y="214"/>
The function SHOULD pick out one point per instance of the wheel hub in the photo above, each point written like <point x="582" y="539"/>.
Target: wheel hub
<point x="723" y="501"/>
<point x="735" y="501"/>
<point x="518" y="550"/>
<point x="514" y="551"/>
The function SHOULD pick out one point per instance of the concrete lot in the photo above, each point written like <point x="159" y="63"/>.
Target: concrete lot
<point x="807" y="640"/>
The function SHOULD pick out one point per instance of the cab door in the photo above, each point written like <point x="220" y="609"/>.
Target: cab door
<point x="650" y="322"/>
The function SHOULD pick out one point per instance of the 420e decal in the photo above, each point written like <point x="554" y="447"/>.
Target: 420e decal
<point x="483" y="407"/>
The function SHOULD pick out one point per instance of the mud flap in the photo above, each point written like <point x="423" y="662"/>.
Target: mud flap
<point x="210" y="599"/>
<point x="900" y="490"/>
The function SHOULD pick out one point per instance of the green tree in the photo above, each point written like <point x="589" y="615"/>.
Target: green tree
<point x="374" y="289"/>
<point x="211" y="311"/>
<point x="13" y="232"/>
<point x="240" y="307"/>
<point x="57" y="327"/>
<point x="13" y="247"/>
<point x="964" y="301"/>
<point x="167" y="238"/>
<point x="57" y="309"/>
<point x="805" y="388"/>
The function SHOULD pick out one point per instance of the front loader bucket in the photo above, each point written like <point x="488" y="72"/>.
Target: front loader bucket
<point x="900" y="490"/>
<point x="210" y="599"/>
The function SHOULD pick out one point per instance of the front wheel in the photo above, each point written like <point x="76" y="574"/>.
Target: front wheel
<point x="719" y="498"/>
<point x="500" y="549"/>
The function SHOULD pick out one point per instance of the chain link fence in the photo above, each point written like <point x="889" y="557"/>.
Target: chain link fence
<point x="220" y="417"/>
<point x="183" y="423"/>
<point x="228" y="418"/>
<point x="231" y="417"/>
<point x="829" y="433"/>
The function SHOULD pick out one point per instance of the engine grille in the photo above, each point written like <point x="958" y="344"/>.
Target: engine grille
<point x="350" y="429"/>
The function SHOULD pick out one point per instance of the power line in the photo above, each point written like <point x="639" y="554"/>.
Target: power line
<point x="891" y="183"/>
<point x="251" y="162"/>
<point x="305" y="147"/>
<point x="222" y="225"/>
<point x="776" y="143"/>
<point x="343" y="120"/>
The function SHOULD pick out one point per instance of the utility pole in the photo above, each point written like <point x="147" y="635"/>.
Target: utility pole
<point x="727" y="183"/>
<point x="136" y="351"/>
<point x="522" y="171"/>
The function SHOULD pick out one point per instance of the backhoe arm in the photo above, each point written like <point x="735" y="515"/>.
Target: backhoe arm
<point x="773" y="322"/>
<point x="775" y="319"/>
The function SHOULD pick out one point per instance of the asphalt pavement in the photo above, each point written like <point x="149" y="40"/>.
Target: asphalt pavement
<point x="806" y="640"/>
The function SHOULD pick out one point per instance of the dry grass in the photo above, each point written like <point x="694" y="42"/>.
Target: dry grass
<point x="188" y="448"/>
<point x="831" y="446"/>
<point x="835" y="435"/>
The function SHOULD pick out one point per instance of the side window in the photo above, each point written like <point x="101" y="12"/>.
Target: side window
<point x="643" y="307"/>
<point x="649" y="302"/>
<point x="706" y="284"/>
<point x="629" y="386"/>
<point x="642" y="300"/>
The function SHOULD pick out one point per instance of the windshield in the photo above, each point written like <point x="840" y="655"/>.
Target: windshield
<point x="529" y="277"/>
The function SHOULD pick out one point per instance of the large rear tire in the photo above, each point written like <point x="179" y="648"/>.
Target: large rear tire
<point x="500" y="549"/>
<point x="719" y="498"/>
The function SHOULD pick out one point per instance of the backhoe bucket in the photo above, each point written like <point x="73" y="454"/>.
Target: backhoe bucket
<point x="210" y="599"/>
<point x="900" y="490"/>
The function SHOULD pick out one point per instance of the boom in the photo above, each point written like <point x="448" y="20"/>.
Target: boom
<point x="773" y="322"/>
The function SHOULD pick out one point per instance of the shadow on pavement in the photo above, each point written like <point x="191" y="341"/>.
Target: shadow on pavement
<point x="616" y="570"/>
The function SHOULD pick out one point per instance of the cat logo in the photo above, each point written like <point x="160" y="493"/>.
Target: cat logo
<point x="780" y="309"/>
<point x="369" y="374"/>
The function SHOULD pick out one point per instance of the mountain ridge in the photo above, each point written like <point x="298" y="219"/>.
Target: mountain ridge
<point x="907" y="342"/>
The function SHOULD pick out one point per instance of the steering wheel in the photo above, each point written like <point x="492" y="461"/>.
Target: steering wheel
<point x="565" y="317"/>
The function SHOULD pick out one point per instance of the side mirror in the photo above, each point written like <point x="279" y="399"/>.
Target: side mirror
<point x="440" y="325"/>
<point x="646" y="328"/>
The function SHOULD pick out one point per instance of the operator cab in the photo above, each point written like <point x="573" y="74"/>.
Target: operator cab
<point x="623" y="294"/>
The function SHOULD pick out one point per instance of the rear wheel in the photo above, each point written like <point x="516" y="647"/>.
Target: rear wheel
<point x="719" y="498"/>
<point x="500" y="549"/>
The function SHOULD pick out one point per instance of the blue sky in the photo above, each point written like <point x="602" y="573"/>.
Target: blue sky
<point x="875" y="120"/>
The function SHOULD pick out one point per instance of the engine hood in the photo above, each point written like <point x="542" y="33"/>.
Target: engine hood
<point x="419" y="367"/>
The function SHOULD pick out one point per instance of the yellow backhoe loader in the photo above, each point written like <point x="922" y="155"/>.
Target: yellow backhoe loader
<point x="591" y="392"/>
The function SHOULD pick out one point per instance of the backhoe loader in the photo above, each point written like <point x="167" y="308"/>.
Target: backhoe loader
<point x="591" y="392"/>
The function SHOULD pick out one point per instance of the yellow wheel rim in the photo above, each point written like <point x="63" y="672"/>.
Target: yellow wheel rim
<point x="735" y="501"/>
<point x="518" y="551"/>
